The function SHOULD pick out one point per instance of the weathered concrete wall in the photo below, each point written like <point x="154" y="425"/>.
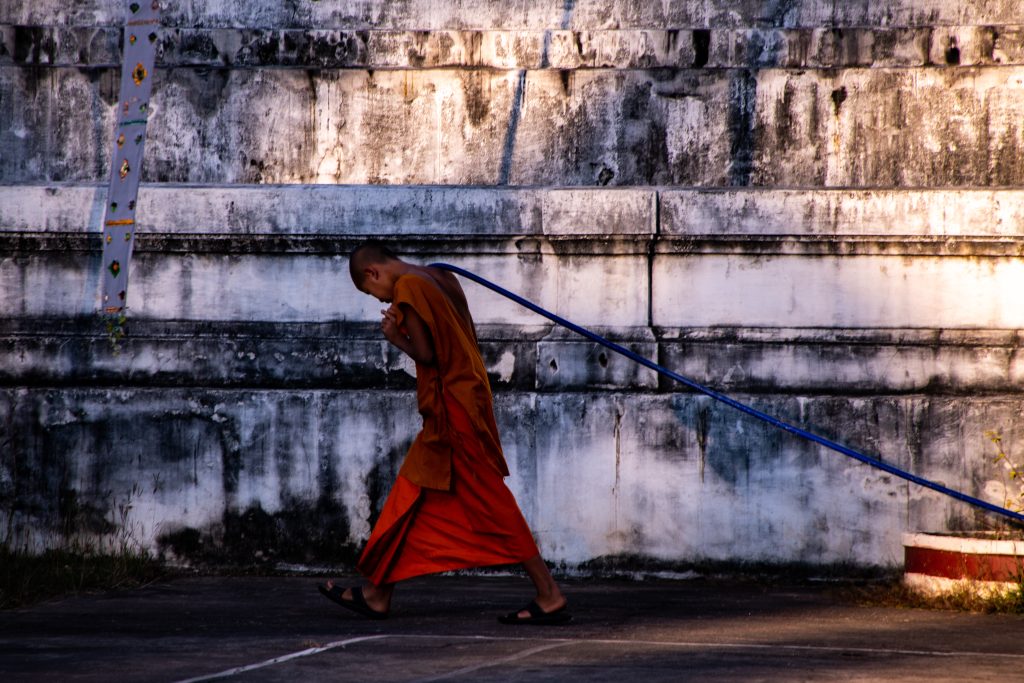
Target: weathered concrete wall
<point x="244" y="289"/>
<point x="708" y="127"/>
<point x="814" y="206"/>
<point x="288" y="264"/>
<point x="532" y="14"/>
<point x="629" y="93"/>
<point x="674" y="476"/>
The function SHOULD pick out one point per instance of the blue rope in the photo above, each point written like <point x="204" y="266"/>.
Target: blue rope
<point x="785" y="426"/>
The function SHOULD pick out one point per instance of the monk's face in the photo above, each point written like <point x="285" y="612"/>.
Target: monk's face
<point x="376" y="283"/>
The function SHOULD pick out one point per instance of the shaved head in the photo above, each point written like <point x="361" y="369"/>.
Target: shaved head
<point x="366" y="254"/>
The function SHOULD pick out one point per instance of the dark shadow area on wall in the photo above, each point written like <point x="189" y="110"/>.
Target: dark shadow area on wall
<point x="301" y="532"/>
<point x="742" y="119"/>
<point x="701" y="47"/>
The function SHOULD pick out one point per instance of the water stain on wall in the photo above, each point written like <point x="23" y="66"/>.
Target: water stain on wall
<point x="301" y="532"/>
<point x="742" y="121"/>
<point x="476" y="88"/>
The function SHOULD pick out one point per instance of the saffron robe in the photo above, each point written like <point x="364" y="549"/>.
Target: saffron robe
<point x="449" y="507"/>
<point x="458" y="371"/>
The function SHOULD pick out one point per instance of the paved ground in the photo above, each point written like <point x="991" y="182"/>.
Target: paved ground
<point x="281" y="629"/>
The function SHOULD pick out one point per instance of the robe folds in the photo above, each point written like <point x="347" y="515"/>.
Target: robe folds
<point x="458" y="372"/>
<point x="449" y="507"/>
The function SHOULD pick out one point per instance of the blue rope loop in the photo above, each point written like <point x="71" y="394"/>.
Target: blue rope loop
<point x="743" y="408"/>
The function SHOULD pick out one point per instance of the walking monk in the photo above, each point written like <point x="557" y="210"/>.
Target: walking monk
<point x="449" y="508"/>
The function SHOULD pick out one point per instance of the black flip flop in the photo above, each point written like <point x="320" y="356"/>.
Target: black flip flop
<point x="357" y="604"/>
<point x="538" y="617"/>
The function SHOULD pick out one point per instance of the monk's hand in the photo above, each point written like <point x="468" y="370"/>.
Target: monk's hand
<point x="389" y="325"/>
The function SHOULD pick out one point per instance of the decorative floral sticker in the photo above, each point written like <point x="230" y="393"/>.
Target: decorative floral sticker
<point x="125" y="169"/>
<point x="120" y="140"/>
<point x="139" y="74"/>
<point x="115" y="268"/>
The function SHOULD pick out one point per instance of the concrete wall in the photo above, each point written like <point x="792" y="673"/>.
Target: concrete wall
<point x="811" y="206"/>
<point x="907" y="126"/>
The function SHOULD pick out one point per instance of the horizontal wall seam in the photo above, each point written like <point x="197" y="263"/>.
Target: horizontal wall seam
<point x="623" y="393"/>
<point x="962" y="70"/>
<point x="541" y="331"/>
<point x="263" y="244"/>
<point x="830" y="23"/>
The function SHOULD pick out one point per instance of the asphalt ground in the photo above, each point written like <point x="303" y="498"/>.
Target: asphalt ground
<point x="445" y="629"/>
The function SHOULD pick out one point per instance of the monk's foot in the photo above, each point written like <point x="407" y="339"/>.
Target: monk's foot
<point x="549" y="604"/>
<point x="376" y="599"/>
<point x="543" y="611"/>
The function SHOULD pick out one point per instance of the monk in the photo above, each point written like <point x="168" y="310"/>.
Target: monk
<point x="449" y="507"/>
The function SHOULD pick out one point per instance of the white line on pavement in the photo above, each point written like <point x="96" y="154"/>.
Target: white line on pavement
<point x="811" y="648"/>
<point x="562" y="642"/>
<point x="737" y="646"/>
<point x="282" y="658"/>
<point x="497" y="662"/>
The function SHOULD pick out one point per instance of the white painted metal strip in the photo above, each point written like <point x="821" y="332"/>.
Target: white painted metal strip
<point x="141" y="34"/>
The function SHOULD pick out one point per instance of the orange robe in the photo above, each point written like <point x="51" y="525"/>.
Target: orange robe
<point x="449" y="507"/>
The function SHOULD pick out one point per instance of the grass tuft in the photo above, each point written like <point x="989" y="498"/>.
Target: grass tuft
<point x="27" y="579"/>
<point x="964" y="598"/>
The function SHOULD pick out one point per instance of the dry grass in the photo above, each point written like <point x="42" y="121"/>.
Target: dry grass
<point x="966" y="598"/>
<point x="26" y="579"/>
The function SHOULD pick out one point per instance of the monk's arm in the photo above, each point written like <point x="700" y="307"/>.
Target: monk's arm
<point x="417" y="344"/>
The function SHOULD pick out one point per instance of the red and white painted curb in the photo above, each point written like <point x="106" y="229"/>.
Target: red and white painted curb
<point x="936" y="563"/>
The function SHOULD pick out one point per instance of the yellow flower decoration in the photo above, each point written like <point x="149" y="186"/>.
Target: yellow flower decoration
<point x="139" y="74"/>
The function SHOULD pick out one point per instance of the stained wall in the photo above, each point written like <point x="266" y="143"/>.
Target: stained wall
<point x="811" y="207"/>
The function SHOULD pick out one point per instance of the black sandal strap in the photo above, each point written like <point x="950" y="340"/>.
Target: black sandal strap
<point x="534" y="609"/>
